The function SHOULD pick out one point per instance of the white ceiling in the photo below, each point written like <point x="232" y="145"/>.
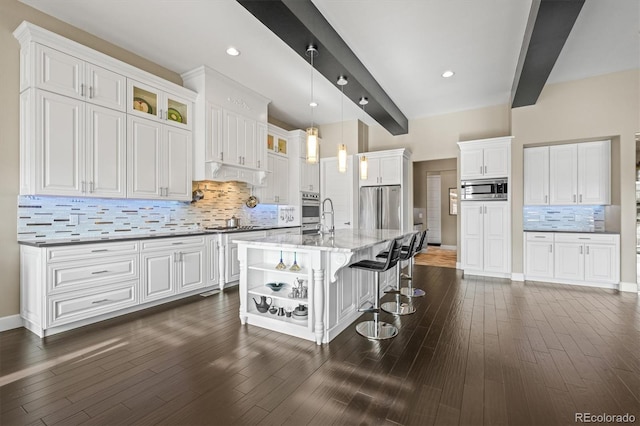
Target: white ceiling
<point x="405" y="44"/>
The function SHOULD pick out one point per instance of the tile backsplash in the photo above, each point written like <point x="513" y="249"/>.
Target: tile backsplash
<point x="564" y="218"/>
<point x="41" y="217"/>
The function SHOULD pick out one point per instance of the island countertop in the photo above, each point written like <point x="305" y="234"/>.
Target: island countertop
<point x="345" y="240"/>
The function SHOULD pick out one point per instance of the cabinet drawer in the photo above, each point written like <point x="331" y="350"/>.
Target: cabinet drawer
<point x="170" y="243"/>
<point x="586" y="238"/>
<point x="539" y="236"/>
<point x="66" y="308"/>
<point x="86" y="251"/>
<point x="90" y="273"/>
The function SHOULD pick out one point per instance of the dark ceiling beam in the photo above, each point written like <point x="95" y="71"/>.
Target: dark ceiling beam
<point x="300" y="24"/>
<point x="550" y="23"/>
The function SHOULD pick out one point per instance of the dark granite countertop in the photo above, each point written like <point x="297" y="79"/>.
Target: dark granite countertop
<point x="112" y="238"/>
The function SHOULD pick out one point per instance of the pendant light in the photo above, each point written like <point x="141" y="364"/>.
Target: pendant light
<point x="342" y="148"/>
<point x="313" y="149"/>
<point x="364" y="164"/>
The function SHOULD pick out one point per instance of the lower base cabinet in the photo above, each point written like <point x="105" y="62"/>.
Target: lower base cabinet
<point x="572" y="258"/>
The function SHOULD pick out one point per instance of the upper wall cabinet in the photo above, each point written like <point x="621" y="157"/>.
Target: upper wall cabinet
<point x="487" y="158"/>
<point x="568" y="174"/>
<point x="67" y="75"/>
<point x="230" y="135"/>
<point x="152" y="103"/>
<point x="73" y="114"/>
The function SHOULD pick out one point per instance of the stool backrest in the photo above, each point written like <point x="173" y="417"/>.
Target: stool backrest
<point x="423" y="238"/>
<point x="395" y="247"/>
<point x="410" y="247"/>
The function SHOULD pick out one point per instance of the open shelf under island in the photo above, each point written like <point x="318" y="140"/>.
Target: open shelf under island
<point x="332" y="293"/>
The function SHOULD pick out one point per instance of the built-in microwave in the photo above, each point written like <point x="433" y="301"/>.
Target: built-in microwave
<point x="484" y="189"/>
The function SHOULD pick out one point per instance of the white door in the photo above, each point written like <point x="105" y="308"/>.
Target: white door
<point x="177" y="145"/>
<point x="106" y="157"/>
<point x="192" y="271"/>
<point x="539" y="262"/>
<point x="60" y="144"/>
<point x="472" y="231"/>
<point x="471" y="164"/>
<point x="569" y="261"/>
<point x="391" y="170"/>
<point x="230" y="152"/>
<point x="434" y="224"/>
<point x="536" y="176"/>
<point x="594" y="175"/>
<point x="144" y="158"/>
<point x="496" y="230"/>
<point x="105" y="88"/>
<point x="600" y="263"/>
<point x="563" y="174"/>
<point x="59" y="72"/>
<point x="496" y="162"/>
<point x="158" y="275"/>
<point x="339" y="187"/>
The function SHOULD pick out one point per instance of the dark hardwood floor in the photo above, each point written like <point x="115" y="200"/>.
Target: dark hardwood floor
<point x="478" y="351"/>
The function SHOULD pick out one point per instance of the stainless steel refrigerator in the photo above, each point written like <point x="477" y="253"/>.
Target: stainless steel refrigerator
<point x="380" y="207"/>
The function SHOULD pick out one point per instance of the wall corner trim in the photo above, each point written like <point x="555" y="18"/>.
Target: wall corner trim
<point x="10" y="322"/>
<point x="629" y="287"/>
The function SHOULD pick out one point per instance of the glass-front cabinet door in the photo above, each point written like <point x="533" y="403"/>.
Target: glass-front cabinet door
<point x="152" y="103"/>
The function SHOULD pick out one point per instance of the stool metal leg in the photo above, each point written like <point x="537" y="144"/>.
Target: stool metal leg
<point x="398" y="307"/>
<point x="376" y="329"/>
<point x="409" y="291"/>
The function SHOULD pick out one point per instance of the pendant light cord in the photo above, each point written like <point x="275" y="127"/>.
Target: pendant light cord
<point x="311" y="53"/>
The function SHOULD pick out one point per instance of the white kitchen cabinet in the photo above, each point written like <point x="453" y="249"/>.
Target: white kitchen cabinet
<point x="213" y="131"/>
<point x="277" y="141"/>
<point x="239" y="145"/>
<point x="60" y="285"/>
<point x="78" y="149"/>
<point x="276" y="189"/>
<point x="153" y="103"/>
<point x="573" y="258"/>
<point x="536" y="176"/>
<point x="487" y="158"/>
<point x="67" y="75"/>
<point x="310" y="176"/>
<point x="386" y="170"/>
<point x="171" y="266"/>
<point x="539" y="255"/>
<point x="580" y="173"/>
<point x="158" y="161"/>
<point x="485" y="228"/>
<point x="232" y="265"/>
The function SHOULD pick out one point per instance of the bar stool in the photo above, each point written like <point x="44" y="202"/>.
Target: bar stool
<point x="377" y="329"/>
<point x="409" y="291"/>
<point x="398" y="307"/>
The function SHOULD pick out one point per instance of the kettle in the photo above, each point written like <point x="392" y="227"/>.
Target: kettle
<point x="234" y="222"/>
<point x="263" y="306"/>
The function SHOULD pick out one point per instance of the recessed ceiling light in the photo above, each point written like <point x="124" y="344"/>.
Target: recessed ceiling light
<point x="313" y="104"/>
<point x="232" y="51"/>
<point x="448" y="73"/>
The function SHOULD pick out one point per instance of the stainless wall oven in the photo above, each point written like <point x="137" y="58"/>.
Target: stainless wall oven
<point x="310" y="212"/>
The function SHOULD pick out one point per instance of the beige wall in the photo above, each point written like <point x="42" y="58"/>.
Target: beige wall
<point x="332" y="135"/>
<point x="590" y="109"/>
<point x="12" y="13"/>
<point x="448" y="171"/>
<point x="433" y="138"/>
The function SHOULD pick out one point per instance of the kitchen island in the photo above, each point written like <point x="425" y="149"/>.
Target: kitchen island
<point x="320" y="299"/>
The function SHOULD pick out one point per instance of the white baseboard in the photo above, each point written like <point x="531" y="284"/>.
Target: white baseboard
<point x="10" y="322"/>
<point x="449" y="247"/>
<point x="516" y="276"/>
<point x="630" y="287"/>
<point x="458" y="265"/>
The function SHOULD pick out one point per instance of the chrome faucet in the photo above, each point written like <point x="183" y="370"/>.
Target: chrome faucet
<point x="332" y="228"/>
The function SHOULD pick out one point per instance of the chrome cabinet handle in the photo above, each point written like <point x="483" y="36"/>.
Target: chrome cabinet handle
<point x="221" y="156"/>
<point x="99" y="272"/>
<point x="82" y="90"/>
<point x="587" y="249"/>
<point x="84" y="187"/>
<point x="347" y="223"/>
<point x="99" y="250"/>
<point x="91" y="187"/>
<point x="90" y="92"/>
<point x="101" y="301"/>
<point x="550" y="248"/>
<point x="258" y="163"/>
<point x="574" y="198"/>
<point x="485" y="169"/>
<point x="580" y="249"/>
<point x="480" y="169"/>
<point x="546" y="199"/>
<point x="580" y="197"/>
<point x="480" y="209"/>
<point x="177" y="244"/>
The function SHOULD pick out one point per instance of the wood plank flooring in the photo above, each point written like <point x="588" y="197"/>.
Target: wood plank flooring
<point x="436" y="256"/>
<point x="478" y="351"/>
